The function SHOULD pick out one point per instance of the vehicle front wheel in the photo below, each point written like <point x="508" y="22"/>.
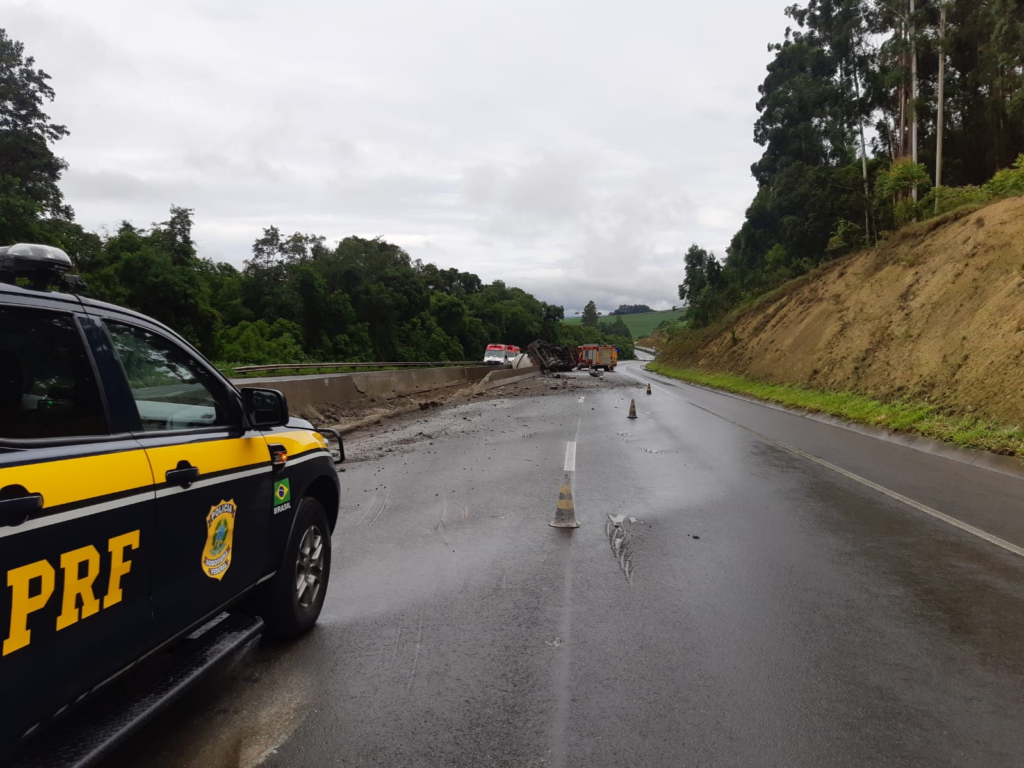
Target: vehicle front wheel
<point x="292" y="604"/>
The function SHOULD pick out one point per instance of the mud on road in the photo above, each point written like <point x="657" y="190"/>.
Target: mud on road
<point x="402" y="424"/>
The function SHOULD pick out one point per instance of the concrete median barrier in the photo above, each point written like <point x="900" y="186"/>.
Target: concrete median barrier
<point x="506" y="376"/>
<point x="303" y="391"/>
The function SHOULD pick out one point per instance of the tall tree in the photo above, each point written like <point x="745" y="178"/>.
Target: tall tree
<point x="702" y="287"/>
<point x="29" y="171"/>
<point x="810" y="177"/>
<point x="913" y="87"/>
<point x="589" y="315"/>
<point x="940" y="117"/>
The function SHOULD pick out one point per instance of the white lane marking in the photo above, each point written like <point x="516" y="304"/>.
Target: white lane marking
<point x="911" y="503"/>
<point x="576" y="438"/>
<point x="966" y="527"/>
<point x="570" y="456"/>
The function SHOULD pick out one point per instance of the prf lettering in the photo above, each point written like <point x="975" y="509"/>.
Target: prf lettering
<point x="32" y="587"/>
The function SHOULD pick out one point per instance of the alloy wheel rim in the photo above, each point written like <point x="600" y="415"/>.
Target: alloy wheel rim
<point x="309" y="566"/>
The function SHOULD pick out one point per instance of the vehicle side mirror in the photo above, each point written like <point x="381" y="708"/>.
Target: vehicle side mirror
<point x="265" y="408"/>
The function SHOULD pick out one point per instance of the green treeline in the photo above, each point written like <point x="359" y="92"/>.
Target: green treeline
<point x="849" y="121"/>
<point x="299" y="298"/>
<point x="296" y="299"/>
<point x="632" y="309"/>
<point x="616" y="334"/>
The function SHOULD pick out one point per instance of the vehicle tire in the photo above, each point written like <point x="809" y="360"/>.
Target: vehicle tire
<point x="292" y="604"/>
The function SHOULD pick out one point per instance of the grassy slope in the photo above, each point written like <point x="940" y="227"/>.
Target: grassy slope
<point x="639" y="325"/>
<point x="900" y="416"/>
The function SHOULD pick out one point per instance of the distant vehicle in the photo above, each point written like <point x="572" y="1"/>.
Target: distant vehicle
<point x="597" y="356"/>
<point x="495" y="354"/>
<point x="500" y="354"/>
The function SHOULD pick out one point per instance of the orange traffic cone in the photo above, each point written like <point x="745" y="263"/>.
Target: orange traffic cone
<point x="565" y="512"/>
<point x="632" y="409"/>
<point x="648" y="389"/>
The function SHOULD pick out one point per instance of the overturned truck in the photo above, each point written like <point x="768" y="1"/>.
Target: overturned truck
<point x="550" y="357"/>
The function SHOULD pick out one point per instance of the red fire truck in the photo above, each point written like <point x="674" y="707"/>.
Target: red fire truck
<point x="597" y="356"/>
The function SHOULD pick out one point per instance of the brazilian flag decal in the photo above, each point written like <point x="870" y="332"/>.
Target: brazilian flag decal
<point x="282" y="492"/>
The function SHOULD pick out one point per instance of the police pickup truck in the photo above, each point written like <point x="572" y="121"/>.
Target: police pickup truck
<point x="142" y="495"/>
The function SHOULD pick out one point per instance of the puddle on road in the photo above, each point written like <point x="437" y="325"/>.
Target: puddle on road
<point x="237" y="718"/>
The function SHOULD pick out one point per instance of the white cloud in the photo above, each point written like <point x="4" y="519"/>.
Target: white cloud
<point x="573" y="148"/>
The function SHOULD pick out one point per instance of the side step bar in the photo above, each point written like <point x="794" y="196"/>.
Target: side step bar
<point x="99" y="727"/>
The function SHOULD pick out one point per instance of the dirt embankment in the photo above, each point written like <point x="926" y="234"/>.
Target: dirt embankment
<point x="935" y="314"/>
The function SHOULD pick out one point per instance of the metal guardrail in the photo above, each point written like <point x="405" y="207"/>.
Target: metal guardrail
<point x="332" y="366"/>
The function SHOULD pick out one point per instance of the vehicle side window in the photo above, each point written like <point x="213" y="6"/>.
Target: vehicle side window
<point x="47" y="385"/>
<point x="172" y="390"/>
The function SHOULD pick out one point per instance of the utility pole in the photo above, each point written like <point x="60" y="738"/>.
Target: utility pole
<point x="942" y="107"/>
<point x="913" y="90"/>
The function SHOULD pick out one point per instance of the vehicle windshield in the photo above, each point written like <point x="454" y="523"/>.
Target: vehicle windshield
<point x="495" y="353"/>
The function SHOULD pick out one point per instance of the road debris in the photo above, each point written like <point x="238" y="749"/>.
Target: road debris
<point x="550" y="357"/>
<point x="378" y="417"/>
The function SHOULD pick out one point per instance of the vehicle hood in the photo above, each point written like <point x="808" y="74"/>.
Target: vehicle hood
<point x="297" y="423"/>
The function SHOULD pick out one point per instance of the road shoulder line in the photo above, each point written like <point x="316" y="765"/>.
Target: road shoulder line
<point x="966" y="527"/>
<point x="1004" y="465"/>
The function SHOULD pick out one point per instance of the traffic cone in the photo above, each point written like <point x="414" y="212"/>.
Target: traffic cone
<point x="565" y="512"/>
<point x="648" y="389"/>
<point x="632" y="409"/>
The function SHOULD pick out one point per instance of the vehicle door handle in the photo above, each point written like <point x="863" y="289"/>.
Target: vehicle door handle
<point x="184" y="475"/>
<point x="15" y="511"/>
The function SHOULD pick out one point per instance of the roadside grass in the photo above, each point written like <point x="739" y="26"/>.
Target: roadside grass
<point x="899" y="415"/>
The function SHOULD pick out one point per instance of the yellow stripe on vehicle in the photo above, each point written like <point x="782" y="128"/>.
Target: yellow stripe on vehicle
<point x="209" y="456"/>
<point x="298" y="441"/>
<point x="75" y="480"/>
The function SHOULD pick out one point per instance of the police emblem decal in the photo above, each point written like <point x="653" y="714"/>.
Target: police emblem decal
<point x="220" y="532"/>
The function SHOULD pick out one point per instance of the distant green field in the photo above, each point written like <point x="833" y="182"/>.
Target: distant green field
<point x="639" y="325"/>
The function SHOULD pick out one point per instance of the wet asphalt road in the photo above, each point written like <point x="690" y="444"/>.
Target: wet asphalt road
<point x="755" y="608"/>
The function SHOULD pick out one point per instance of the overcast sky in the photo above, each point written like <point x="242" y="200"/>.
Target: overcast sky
<point x="574" y="148"/>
